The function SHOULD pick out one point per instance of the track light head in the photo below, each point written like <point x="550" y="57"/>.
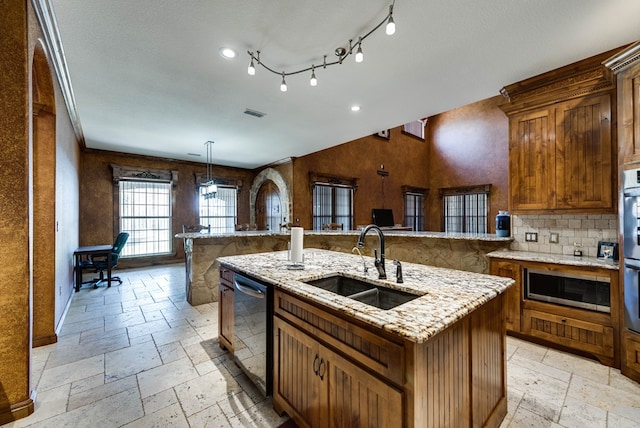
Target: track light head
<point x="313" y="81"/>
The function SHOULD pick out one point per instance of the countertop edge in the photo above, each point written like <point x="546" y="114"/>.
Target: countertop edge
<point x="559" y="259"/>
<point x="407" y="234"/>
<point x="408" y="321"/>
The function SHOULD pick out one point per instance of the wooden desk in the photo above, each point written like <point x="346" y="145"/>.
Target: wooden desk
<point x="92" y="250"/>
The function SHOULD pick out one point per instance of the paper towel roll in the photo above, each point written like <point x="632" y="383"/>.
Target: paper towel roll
<point x="297" y="234"/>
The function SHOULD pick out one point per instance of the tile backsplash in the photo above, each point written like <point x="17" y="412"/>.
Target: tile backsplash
<point x="582" y="229"/>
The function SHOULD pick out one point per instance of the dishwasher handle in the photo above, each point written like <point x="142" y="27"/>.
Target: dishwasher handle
<point x="247" y="286"/>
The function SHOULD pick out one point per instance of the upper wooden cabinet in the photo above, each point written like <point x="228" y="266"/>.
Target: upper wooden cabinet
<point x="583" y="151"/>
<point x="561" y="140"/>
<point x="625" y="65"/>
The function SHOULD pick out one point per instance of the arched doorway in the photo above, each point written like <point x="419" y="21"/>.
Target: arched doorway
<point x="268" y="207"/>
<point x="44" y="198"/>
<point x="279" y="182"/>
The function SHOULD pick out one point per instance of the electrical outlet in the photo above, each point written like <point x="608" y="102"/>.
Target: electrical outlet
<point x="531" y="237"/>
<point x="554" y="238"/>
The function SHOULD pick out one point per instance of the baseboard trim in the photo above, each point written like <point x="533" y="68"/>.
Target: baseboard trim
<point x="18" y="410"/>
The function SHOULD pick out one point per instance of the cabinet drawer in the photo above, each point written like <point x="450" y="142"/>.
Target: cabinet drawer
<point x="226" y="275"/>
<point x="583" y="335"/>
<point x="631" y="355"/>
<point x="367" y="347"/>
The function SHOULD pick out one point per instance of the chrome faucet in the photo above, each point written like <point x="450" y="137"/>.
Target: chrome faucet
<point x="379" y="263"/>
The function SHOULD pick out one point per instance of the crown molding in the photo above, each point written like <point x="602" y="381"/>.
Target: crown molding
<point x="49" y="25"/>
<point x="623" y="59"/>
<point x="588" y="76"/>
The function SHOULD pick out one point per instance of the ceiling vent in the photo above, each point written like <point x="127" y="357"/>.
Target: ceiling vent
<point x="255" y="113"/>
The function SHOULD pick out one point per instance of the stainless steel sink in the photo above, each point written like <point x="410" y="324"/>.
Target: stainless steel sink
<point x="363" y="291"/>
<point x="341" y="285"/>
<point x="383" y="298"/>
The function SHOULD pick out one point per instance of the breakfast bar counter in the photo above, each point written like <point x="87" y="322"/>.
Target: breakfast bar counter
<point x="449" y="250"/>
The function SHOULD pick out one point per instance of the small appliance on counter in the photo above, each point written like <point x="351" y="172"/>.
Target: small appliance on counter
<point x="503" y="224"/>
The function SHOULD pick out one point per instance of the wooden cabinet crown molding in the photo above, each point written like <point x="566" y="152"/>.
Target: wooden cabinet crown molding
<point x="588" y="76"/>
<point x="624" y="58"/>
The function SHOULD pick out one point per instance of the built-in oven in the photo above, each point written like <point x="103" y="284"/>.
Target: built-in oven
<point x="580" y="291"/>
<point x="631" y="238"/>
<point x="253" y="330"/>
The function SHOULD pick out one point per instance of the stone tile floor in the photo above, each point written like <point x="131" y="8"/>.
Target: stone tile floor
<point x="138" y="355"/>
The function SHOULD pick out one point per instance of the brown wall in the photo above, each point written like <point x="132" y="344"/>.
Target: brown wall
<point x="18" y="182"/>
<point x="404" y="157"/>
<point x="14" y="208"/>
<point x="97" y="197"/>
<point x="469" y="146"/>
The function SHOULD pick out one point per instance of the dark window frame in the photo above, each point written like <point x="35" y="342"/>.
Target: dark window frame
<point x="467" y="192"/>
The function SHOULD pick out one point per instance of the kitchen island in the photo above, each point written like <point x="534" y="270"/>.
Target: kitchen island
<point x="449" y="250"/>
<point x="436" y="360"/>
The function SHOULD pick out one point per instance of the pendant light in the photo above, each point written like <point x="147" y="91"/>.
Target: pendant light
<point x="209" y="189"/>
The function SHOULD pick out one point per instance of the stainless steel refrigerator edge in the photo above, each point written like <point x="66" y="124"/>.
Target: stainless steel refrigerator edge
<point x="631" y="236"/>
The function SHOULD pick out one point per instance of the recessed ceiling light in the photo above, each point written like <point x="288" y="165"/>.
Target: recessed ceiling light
<point x="355" y="108"/>
<point x="227" y="53"/>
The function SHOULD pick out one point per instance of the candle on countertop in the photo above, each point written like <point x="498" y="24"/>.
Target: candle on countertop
<point x="297" y="235"/>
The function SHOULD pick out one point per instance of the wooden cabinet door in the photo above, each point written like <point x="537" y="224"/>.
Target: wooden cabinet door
<point x="225" y="315"/>
<point x="531" y="161"/>
<point x="356" y="398"/>
<point x="319" y="388"/>
<point x="631" y="355"/>
<point x="225" y="309"/>
<point x="513" y="296"/>
<point x="297" y="389"/>
<point x="583" y="154"/>
<point x="629" y="114"/>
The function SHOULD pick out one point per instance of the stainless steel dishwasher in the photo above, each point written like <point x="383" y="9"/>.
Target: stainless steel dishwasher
<point x="253" y="329"/>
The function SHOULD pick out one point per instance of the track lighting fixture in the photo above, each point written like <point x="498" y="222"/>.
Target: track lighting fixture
<point x="340" y="52"/>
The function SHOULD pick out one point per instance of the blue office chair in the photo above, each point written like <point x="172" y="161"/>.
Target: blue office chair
<point x="98" y="263"/>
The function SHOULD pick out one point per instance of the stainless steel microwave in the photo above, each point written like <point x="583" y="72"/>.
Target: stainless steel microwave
<point x="580" y="291"/>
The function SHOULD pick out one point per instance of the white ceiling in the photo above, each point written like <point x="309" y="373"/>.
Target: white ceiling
<point x="148" y="79"/>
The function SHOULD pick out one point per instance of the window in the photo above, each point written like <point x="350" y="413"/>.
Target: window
<point x="332" y="204"/>
<point x="465" y="209"/>
<point x="145" y="213"/>
<point x="415" y="128"/>
<point x="332" y="200"/>
<point x="220" y="212"/>
<point x="414" y="210"/>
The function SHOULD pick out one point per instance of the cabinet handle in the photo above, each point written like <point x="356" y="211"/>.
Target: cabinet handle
<point x="321" y="367"/>
<point x="564" y="320"/>
<point x="316" y="370"/>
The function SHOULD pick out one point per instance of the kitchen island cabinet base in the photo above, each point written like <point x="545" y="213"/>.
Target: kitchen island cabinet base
<point x="457" y="378"/>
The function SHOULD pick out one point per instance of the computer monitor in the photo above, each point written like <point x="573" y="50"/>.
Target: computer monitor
<point x="382" y="217"/>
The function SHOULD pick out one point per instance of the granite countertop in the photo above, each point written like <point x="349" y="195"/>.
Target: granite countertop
<point x="560" y="259"/>
<point x="388" y="232"/>
<point x="446" y="295"/>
